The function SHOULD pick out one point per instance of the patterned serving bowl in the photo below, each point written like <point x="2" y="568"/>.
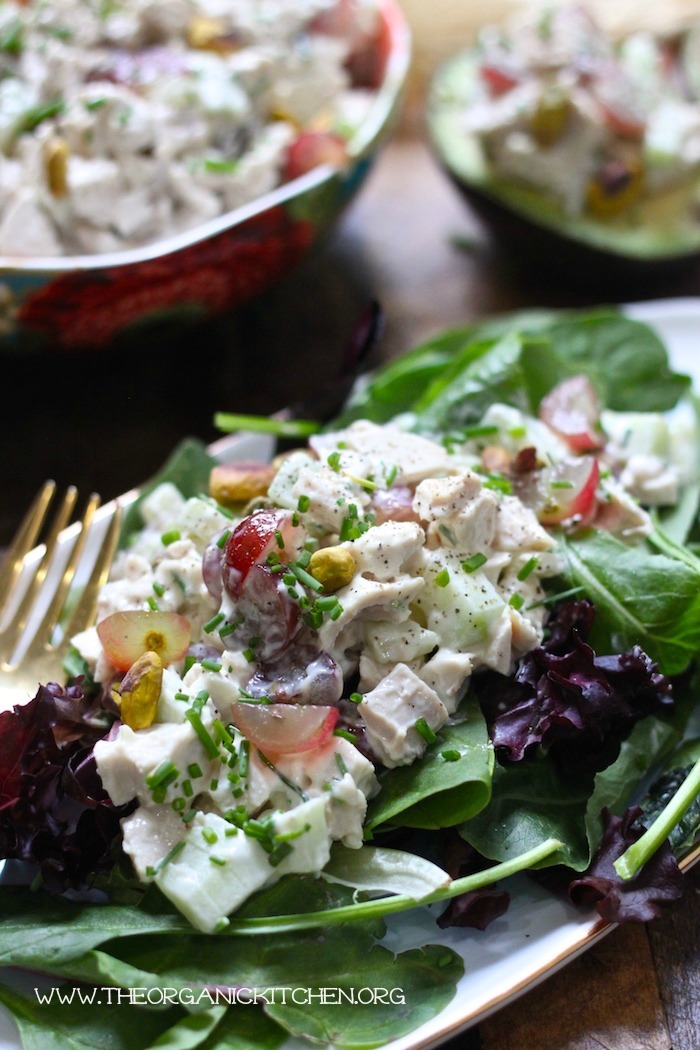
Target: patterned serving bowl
<point x="85" y="302"/>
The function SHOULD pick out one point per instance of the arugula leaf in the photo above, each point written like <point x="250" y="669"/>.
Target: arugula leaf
<point x="438" y="792"/>
<point x="644" y="599"/>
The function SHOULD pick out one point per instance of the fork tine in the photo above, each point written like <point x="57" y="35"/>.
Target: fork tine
<point x="23" y="541"/>
<point x="86" y="609"/>
<point x="14" y="630"/>
<point x="45" y="629"/>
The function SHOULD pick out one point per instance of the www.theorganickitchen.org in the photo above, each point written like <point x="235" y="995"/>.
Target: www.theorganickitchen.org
<point x="163" y="996"/>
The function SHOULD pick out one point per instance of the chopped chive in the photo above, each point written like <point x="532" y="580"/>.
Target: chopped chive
<point x="303" y="503"/>
<point x="205" y="738"/>
<point x="391" y="476"/>
<point x="177" y="578"/>
<point x="336" y="611"/>
<point x="209" y="836"/>
<point x="222" y="734"/>
<point x="228" y="628"/>
<point x="527" y="568"/>
<point x="356" y="698"/>
<point x="340" y="763"/>
<point x="221" y="542"/>
<point x="476" y="432"/>
<point x="210" y="665"/>
<point x="152" y="604"/>
<point x="164" y="774"/>
<point x="279" y="539"/>
<point x="249" y="655"/>
<point x="289" y="579"/>
<point x="212" y="624"/>
<point x="474" y="562"/>
<point x="244" y="759"/>
<point x="345" y="735"/>
<point x="448" y="533"/>
<point x="182" y="696"/>
<point x="516" y="601"/>
<point x="190" y="661"/>
<point x="213" y="784"/>
<point x="279" y="853"/>
<point x="171" y="855"/>
<point x="313" y="618"/>
<point x="305" y="577"/>
<point x="328" y="601"/>
<point x="219" y="861"/>
<point x="294" y="428"/>
<point x="442" y="578"/>
<point x="498" y="483"/>
<point x="179" y="804"/>
<point x="285" y="780"/>
<point x="422" y="727"/>
<point x="334" y="461"/>
<point x="159" y="589"/>
<point x="187" y="789"/>
<point x="170" y="537"/>
<point x="450" y="755"/>
<point x="561" y="484"/>
<point x="195" y="770"/>
<point x="553" y="598"/>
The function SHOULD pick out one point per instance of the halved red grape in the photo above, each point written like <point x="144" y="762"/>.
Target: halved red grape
<point x="282" y="729"/>
<point x="257" y="536"/>
<point x="572" y="409"/>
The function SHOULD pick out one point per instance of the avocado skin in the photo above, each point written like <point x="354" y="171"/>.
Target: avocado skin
<point x="547" y="250"/>
<point x="542" y="253"/>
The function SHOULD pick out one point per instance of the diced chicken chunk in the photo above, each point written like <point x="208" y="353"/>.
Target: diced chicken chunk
<point x="390" y="712"/>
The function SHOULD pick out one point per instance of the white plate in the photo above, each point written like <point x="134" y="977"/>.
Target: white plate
<point x="538" y="934"/>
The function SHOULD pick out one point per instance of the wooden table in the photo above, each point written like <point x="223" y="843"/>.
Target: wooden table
<point x="106" y="421"/>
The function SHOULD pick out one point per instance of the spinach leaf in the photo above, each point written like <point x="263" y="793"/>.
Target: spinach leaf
<point x="641" y="598"/>
<point x="451" y="379"/>
<point x="424" y="979"/>
<point x="483" y="374"/>
<point x="300" y="960"/>
<point x="38" y="931"/>
<point x="625" y="359"/>
<point x="439" y="791"/>
<point x="188" y="468"/>
<point x="532" y="801"/>
<point x="82" y="1025"/>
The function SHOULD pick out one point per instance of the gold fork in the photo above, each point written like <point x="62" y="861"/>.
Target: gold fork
<point x="34" y="585"/>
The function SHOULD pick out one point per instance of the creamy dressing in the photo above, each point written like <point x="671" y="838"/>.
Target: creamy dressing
<point x="455" y="584"/>
<point x="126" y="121"/>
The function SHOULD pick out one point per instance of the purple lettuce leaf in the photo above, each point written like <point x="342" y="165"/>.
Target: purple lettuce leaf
<point x="658" y="883"/>
<point x="566" y="700"/>
<point x="54" y="812"/>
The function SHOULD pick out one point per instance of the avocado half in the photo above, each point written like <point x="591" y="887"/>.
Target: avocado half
<point x="656" y="241"/>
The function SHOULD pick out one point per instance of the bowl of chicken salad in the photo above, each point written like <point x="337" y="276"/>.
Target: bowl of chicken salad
<point x="447" y="639"/>
<point x="178" y="157"/>
<point x="577" y="146"/>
